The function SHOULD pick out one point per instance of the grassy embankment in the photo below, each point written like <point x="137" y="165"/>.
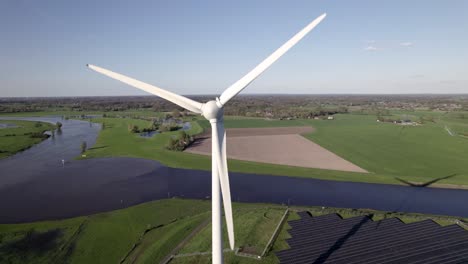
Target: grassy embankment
<point x="390" y="152"/>
<point x="21" y="137"/>
<point x="101" y="238"/>
<point x="155" y="228"/>
<point x="110" y="237"/>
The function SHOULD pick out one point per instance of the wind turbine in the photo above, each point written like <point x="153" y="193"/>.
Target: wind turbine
<point x="213" y="112"/>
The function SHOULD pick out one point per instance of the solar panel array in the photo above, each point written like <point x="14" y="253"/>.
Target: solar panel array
<point x="331" y="239"/>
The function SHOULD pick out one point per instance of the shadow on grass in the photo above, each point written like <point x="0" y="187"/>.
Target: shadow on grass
<point x="33" y="243"/>
<point x="98" y="147"/>
<point x="198" y="141"/>
<point x="425" y="184"/>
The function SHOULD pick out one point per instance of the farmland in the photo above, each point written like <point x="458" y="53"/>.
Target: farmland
<point x="276" y="145"/>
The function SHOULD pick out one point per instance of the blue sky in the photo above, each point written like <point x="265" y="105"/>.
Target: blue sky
<point x="202" y="47"/>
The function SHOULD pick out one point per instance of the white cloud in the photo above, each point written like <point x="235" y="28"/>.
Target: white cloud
<point x="370" y="48"/>
<point x="406" y="44"/>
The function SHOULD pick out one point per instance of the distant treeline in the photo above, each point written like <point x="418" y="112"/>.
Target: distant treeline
<point x="269" y="106"/>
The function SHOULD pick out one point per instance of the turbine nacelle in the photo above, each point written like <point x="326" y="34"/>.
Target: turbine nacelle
<point x="212" y="110"/>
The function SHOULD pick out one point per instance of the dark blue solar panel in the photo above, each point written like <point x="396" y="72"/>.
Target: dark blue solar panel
<point x="331" y="239"/>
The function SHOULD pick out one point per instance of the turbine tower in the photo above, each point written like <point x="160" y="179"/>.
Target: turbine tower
<point x="213" y="112"/>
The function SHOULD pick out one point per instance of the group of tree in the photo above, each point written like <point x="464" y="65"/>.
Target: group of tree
<point x="83" y="147"/>
<point x="37" y="135"/>
<point x="180" y="142"/>
<point x="161" y="124"/>
<point x="134" y="129"/>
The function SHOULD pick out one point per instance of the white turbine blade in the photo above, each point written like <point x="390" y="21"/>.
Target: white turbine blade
<point x="182" y="101"/>
<point x="227" y="188"/>
<point x="219" y="141"/>
<point x="238" y="86"/>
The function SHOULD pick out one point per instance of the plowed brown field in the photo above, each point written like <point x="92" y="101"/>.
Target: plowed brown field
<point x="279" y="145"/>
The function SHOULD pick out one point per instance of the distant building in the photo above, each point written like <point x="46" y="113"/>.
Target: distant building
<point x="330" y="118"/>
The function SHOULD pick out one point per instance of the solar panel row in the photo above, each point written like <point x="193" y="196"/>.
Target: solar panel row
<point x="331" y="239"/>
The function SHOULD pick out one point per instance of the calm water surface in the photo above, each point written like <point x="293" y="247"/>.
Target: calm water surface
<point x="49" y="153"/>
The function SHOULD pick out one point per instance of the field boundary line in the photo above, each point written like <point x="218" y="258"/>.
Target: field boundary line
<point x="137" y="243"/>
<point x="184" y="241"/>
<point x="461" y="223"/>
<point x="198" y="253"/>
<point x="275" y="233"/>
<point x="67" y="248"/>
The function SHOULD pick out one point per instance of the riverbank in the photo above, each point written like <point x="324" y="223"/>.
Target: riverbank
<point x="64" y="146"/>
<point x="17" y="136"/>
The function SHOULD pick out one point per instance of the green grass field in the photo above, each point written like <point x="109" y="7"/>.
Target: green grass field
<point x="110" y="237"/>
<point x="101" y="238"/>
<point x="157" y="244"/>
<point x="253" y="227"/>
<point x="149" y="232"/>
<point x="420" y="151"/>
<point x="15" y="139"/>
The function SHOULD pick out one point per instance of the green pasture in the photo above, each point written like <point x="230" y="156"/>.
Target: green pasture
<point x="15" y="139"/>
<point x="423" y="151"/>
<point x="145" y="233"/>
<point x="253" y="227"/>
<point x="102" y="238"/>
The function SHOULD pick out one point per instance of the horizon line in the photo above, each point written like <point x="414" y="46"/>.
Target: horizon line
<point x="250" y="94"/>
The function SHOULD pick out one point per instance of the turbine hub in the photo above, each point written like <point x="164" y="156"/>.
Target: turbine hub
<point x="212" y="110"/>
